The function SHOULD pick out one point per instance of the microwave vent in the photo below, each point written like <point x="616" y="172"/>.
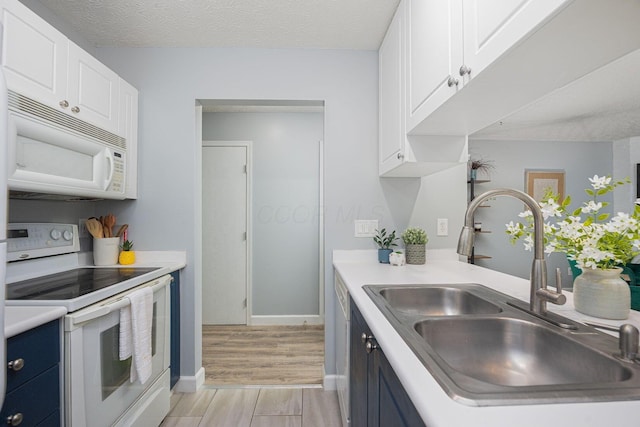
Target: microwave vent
<point x="30" y="106"/>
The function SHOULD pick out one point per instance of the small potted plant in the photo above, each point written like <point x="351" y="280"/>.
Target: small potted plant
<point x="479" y="165"/>
<point x="385" y="242"/>
<point x="415" y="241"/>
<point x="127" y="256"/>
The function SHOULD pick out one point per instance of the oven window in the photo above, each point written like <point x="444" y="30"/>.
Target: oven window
<point x="115" y="372"/>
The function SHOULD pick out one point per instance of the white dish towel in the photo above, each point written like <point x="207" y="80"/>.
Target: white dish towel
<point x="136" y="321"/>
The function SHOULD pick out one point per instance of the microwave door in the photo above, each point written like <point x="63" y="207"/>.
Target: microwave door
<point x="48" y="159"/>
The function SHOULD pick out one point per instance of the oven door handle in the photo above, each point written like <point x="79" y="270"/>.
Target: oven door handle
<point x="99" y="310"/>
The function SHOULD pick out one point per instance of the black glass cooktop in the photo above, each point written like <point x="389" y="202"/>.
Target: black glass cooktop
<point x="71" y="284"/>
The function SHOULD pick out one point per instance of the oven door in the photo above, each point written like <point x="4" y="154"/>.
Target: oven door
<point x="98" y="389"/>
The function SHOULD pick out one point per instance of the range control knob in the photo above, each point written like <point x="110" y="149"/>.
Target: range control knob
<point x="67" y="235"/>
<point x="55" y="234"/>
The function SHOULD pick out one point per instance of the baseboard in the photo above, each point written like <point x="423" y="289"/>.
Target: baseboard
<point x="330" y="382"/>
<point x="287" y="320"/>
<point x="190" y="384"/>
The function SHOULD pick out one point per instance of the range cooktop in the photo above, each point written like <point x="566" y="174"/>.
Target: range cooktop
<point x="71" y="284"/>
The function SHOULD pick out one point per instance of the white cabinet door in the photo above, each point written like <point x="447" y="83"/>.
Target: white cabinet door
<point x="434" y="54"/>
<point x="34" y="55"/>
<point x="93" y="90"/>
<point x="128" y="128"/>
<point x="492" y="27"/>
<point x="391" y="94"/>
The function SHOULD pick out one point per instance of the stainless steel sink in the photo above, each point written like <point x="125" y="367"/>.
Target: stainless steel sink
<point x="444" y="301"/>
<point x="514" y="352"/>
<point x="483" y="349"/>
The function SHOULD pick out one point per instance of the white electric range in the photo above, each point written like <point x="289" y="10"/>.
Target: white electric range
<point x="45" y="270"/>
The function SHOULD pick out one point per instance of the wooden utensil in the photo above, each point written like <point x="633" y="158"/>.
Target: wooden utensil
<point x="109" y="222"/>
<point x="122" y="229"/>
<point x="94" y="228"/>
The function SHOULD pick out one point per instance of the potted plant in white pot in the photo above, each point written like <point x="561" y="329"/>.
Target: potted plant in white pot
<point x="385" y="242"/>
<point x="415" y="241"/>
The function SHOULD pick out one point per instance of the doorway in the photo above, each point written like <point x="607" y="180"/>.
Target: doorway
<point x="285" y="283"/>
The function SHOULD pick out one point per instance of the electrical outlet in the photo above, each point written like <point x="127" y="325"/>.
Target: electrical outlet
<point x="82" y="229"/>
<point x="443" y="227"/>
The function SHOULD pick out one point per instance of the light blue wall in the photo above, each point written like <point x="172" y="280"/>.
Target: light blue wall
<point x="285" y="205"/>
<point x="579" y="160"/>
<point x="170" y="80"/>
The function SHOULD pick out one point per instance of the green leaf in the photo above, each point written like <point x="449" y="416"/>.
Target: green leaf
<point x="603" y="191"/>
<point x="589" y="192"/>
<point x="603" y="216"/>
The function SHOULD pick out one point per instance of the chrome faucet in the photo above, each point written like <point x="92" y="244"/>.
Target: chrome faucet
<point x="539" y="293"/>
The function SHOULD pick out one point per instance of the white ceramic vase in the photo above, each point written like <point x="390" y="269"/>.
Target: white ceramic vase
<point x="602" y="293"/>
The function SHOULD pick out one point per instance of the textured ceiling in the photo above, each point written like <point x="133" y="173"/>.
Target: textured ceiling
<point x="324" y="24"/>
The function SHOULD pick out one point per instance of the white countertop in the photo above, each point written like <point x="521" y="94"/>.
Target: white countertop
<point x="358" y="268"/>
<point x="18" y="319"/>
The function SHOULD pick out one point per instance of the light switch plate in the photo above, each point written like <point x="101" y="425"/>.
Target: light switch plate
<point x="365" y="227"/>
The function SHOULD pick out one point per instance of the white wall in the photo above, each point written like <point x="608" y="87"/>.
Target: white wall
<point x="579" y="160"/>
<point x="285" y="205"/>
<point x="170" y="80"/>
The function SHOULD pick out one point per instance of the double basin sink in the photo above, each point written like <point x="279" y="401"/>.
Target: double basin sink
<point x="484" y="349"/>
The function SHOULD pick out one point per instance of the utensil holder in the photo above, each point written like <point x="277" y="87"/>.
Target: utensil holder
<point x="106" y="251"/>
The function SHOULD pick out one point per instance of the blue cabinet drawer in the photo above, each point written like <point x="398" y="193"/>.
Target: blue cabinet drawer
<point x="39" y="348"/>
<point x="36" y="400"/>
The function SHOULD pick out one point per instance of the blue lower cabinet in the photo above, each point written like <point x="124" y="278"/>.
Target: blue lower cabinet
<point x="175" y="328"/>
<point x="34" y="401"/>
<point x="33" y="377"/>
<point x="377" y="396"/>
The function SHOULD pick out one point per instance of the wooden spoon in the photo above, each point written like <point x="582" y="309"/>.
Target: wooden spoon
<point x="94" y="228"/>
<point x="109" y="222"/>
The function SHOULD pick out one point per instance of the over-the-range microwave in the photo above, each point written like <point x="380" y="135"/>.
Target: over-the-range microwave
<point x="53" y="153"/>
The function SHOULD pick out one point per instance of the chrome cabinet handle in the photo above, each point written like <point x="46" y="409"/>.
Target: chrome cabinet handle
<point x="464" y="70"/>
<point x="16" y="365"/>
<point x="452" y="81"/>
<point x="14" y="420"/>
<point x="371" y="346"/>
<point x="64" y="103"/>
<point x="364" y="337"/>
<point x="400" y="156"/>
<point x="75" y="109"/>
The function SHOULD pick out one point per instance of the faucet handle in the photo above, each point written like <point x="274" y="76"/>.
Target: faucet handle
<point x="558" y="281"/>
<point x="628" y="341"/>
<point x="557" y="298"/>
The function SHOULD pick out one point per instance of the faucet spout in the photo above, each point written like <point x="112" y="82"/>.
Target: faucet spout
<point x="539" y="294"/>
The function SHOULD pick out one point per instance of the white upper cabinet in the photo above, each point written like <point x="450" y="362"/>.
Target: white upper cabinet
<point x="490" y="28"/>
<point x="34" y="55"/>
<point x="93" y="90"/>
<point x="128" y="127"/>
<point x="391" y="94"/>
<point x="514" y="52"/>
<point x="452" y="41"/>
<point x="42" y="64"/>
<point x="433" y="52"/>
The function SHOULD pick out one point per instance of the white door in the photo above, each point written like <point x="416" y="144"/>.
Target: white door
<point x="224" y="234"/>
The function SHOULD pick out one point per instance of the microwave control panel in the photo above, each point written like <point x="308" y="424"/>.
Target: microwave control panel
<point x="117" y="181"/>
<point x="35" y="240"/>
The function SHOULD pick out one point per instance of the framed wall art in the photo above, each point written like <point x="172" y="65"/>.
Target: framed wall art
<point x="538" y="181"/>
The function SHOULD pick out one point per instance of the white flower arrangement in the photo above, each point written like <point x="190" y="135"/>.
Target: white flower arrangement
<point x="585" y="235"/>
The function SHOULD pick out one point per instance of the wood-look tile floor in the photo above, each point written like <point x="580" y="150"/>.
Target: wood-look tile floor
<point x="263" y="355"/>
<point x="254" y="407"/>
